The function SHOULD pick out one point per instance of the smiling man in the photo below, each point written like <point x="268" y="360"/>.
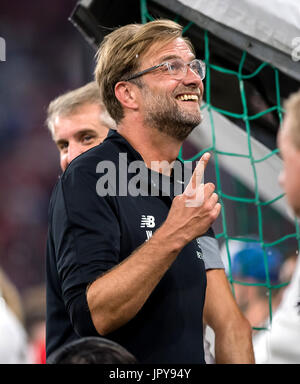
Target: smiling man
<point x="106" y="273"/>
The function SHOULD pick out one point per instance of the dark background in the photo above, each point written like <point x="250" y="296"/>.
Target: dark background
<point x="45" y="56"/>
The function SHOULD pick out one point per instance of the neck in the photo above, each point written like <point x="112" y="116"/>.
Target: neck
<point x="153" y="146"/>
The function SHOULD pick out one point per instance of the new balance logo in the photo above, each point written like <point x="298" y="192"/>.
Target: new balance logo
<point x="147" y="221"/>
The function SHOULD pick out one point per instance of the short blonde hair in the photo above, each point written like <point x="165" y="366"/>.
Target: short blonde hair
<point x="70" y="102"/>
<point x="119" y="53"/>
<point x="292" y="107"/>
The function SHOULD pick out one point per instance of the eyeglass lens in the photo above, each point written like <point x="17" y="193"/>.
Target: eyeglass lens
<point x="177" y="67"/>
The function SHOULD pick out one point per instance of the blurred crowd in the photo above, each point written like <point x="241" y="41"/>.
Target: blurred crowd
<point x="45" y="56"/>
<point x="43" y="59"/>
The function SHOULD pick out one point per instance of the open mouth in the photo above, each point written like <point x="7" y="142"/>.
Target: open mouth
<point x="187" y="97"/>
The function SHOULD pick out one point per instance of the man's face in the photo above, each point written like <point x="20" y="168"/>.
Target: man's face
<point x="76" y="133"/>
<point x="290" y="176"/>
<point x="162" y="95"/>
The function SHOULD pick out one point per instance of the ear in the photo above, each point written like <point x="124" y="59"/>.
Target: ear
<point x="126" y="93"/>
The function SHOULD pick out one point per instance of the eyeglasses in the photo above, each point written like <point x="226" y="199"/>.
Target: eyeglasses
<point x="177" y="68"/>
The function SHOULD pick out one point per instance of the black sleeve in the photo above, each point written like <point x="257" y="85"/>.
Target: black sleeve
<point x="86" y="237"/>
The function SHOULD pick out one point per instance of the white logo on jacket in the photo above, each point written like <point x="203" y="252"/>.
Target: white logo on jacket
<point x="147" y="221"/>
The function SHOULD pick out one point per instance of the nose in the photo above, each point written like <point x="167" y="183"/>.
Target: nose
<point x="71" y="153"/>
<point x="74" y="150"/>
<point x="191" y="78"/>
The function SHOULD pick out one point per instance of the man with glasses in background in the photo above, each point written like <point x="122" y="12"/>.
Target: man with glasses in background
<point x="130" y="267"/>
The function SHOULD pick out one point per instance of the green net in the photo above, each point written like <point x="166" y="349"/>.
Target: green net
<point x="257" y="200"/>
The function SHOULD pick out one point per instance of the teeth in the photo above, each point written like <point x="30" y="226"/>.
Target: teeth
<point x="188" y="97"/>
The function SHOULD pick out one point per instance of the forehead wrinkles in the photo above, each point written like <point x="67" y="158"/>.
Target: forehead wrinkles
<point x="175" y="47"/>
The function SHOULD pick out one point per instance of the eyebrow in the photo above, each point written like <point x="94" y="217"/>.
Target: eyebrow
<point x="60" y="141"/>
<point x="77" y="135"/>
<point x="170" y="57"/>
<point x="85" y="131"/>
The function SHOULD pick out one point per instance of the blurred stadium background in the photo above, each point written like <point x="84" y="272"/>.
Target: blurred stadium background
<point x="46" y="56"/>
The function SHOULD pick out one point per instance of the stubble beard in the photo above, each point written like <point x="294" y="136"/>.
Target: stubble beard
<point x="163" y="112"/>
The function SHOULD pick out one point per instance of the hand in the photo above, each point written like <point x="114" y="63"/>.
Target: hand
<point x="194" y="211"/>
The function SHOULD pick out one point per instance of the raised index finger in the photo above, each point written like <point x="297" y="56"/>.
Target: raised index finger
<point x="197" y="175"/>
